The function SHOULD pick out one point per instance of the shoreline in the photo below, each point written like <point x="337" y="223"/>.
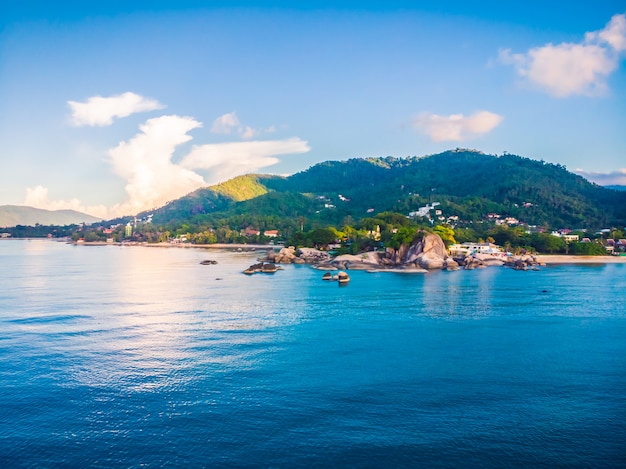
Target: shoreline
<point x="547" y="259"/>
<point x="556" y="259"/>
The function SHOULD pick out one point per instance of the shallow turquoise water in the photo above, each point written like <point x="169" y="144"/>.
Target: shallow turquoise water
<point x="141" y="357"/>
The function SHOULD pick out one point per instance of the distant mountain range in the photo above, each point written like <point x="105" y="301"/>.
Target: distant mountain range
<point x="616" y="187"/>
<point x="13" y="215"/>
<point x="467" y="184"/>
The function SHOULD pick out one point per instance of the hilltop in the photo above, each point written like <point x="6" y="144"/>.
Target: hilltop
<point x="468" y="186"/>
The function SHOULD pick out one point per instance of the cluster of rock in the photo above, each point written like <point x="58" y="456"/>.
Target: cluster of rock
<point x="480" y="261"/>
<point x="261" y="268"/>
<point x="427" y="253"/>
<point x="524" y="263"/>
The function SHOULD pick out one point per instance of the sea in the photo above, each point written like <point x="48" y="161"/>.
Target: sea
<point x="139" y="357"/>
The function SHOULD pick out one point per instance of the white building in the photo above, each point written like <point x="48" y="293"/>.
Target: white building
<point x="462" y="250"/>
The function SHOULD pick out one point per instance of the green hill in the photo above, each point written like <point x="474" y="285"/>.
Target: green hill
<point x="467" y="184"/>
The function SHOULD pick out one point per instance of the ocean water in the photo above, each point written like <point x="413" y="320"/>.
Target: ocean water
<point x="141" y="357"/>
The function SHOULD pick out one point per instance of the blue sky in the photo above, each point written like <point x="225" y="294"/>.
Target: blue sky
<point x="112" y="109"/>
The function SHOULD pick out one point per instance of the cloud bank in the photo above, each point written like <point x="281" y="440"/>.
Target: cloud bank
<point x="456" y="127"/>
<point x="573" y="68"/>
<point x="38" y="197"/>
<point x="227" y="160"/>
<point x="617" y="177"/>
<point x="100" y="112"/>
<point x="145" y="161"/>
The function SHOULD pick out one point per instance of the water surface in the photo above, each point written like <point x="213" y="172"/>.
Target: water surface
<point x="141" y="357"/>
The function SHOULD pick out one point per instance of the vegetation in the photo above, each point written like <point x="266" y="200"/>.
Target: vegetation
<point x="462" y="195"/>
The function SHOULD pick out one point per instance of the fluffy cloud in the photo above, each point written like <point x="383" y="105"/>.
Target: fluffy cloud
<point x="227" y="160"/>
<point x="614" y="34"/>
<point x="99" y="112"/>
<point x="225" y="124"/>
<point x="248" y="132"/>
<point x="617" y="177"/>
<point x="456" y="127"/>
<point x="145" y="162"/>
<point x="229" y="123"/>
<point x="38" y="197"/>
<point x="573" y="68"/>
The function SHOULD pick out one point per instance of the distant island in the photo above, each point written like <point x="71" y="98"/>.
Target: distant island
<point x="14" y="215"/>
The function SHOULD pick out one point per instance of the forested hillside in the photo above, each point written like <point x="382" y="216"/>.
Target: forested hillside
<point x="467" y="184"/>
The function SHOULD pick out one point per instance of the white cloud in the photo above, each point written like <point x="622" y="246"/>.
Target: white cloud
<point x="617" y="177"/>
<point x="229" y="124"/>
<point x="225" y="124"/>
<point x="100" y="112"/>
<point x="573" y="68"/>
<point x="614" y="34"/>
<point x="38" y="197"/>
<point x="456" y="127"/>
<point x="227" y="160"/>
<point x="145" y="162"/>
<point x="248" y="132"/>
<point x="153" y="179"/>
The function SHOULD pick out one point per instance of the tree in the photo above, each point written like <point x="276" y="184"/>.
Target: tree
<point x="446" y="234"/>
<point x="544" y="242"/>
<point x="587" y="249"/>
<point x="322" y="237"/>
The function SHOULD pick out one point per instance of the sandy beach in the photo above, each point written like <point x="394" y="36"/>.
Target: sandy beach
<point x="548" y="259"/>
<point x="568" y="259"/>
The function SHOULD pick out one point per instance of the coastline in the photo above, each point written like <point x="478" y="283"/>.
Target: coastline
<point x="548" y="259"/>
<point x="555" y="259"/>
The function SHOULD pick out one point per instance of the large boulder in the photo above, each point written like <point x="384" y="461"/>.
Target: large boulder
<point x="429" y="253"/>
<point x="355" y="261"/>
<point x="313" y="256"/>
<point x="285" y="255"/>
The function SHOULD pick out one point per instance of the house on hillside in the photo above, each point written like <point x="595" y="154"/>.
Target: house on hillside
<point x="270" y="233"/>
<point x="251" y="232"/>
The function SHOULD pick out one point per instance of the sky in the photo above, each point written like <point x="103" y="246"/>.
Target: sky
<point x="112" y="109"/>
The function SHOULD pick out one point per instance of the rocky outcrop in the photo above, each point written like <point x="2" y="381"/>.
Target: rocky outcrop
<point x="480" y="261"/>
<point x="312" y="256"/>
<point x="262" y="267"/>
<point x="289" y="255"/>
<point x="429" y="252"/>
<point x="523" y="263"/>
<point x="285" y="256"/>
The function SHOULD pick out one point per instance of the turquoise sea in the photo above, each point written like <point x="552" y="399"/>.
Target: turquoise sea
<point x="141" y="357"/>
